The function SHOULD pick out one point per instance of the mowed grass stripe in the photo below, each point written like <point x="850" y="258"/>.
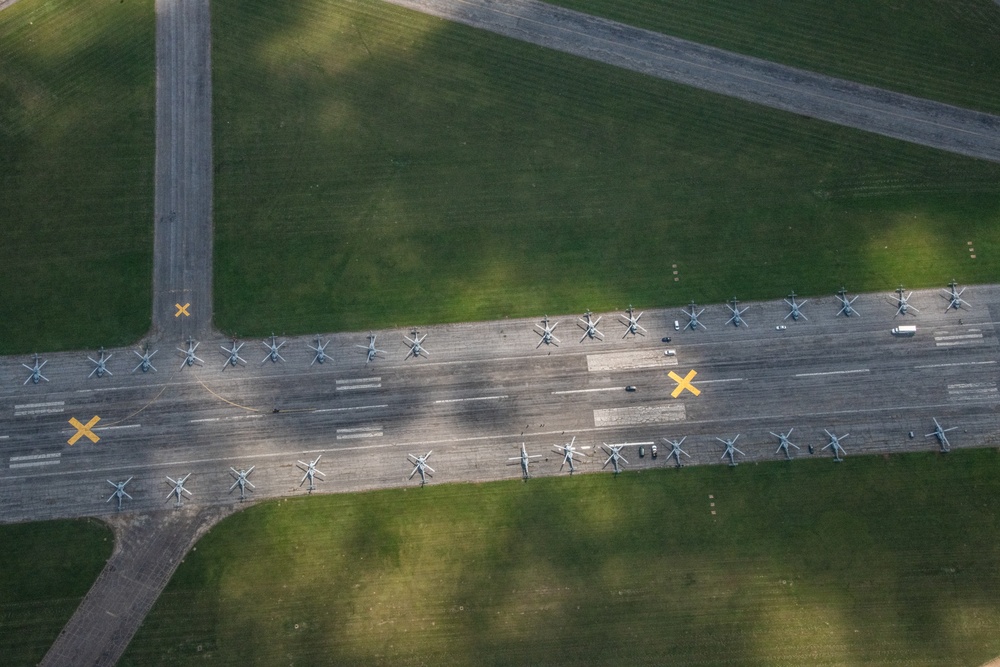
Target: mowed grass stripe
<point x="948" y="50"/>
<point x="45" y="570"/>
<point x="76" y="132"/>
<point x="875" y="561"/>
<point x="377" y="167"/>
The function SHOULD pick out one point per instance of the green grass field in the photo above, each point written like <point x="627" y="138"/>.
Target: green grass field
<point x="377" y="167"/>
<point x="76" y="185"/>
<point x="947" y="50"/>
<point x="879" y="561"/>
<point x="45" y="570"/>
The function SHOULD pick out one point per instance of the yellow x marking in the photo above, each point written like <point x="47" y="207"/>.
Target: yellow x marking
<point x="182" y="310"/>
<point x="83" y="429"/>
<point x="683" y="383"/>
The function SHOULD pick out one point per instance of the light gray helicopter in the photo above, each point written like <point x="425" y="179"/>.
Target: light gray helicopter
<point x="847" y="305"/>
<point x="676" y="450"/>
<point x="242" y="481"/>
<point x="568" y="451"/>
<point x="835" y="443"/>
<point x="144" y="360"/>
<point x="546" y="333"/>
<point x="785" y="443"/>
<point x="120" y="492"/>
<point x="320" y="350"/>
<point x="731" y="450"/>
<point x="590" y="327"/>
<point x="939" y="433"/>
<point x="903" y="302"/>
<point x="795" y="313"/>
<point x="36" y="371"/>
<point x="693" y="322"/>
<point x="370" y="348"/>
<point x="311" y="472"/>
<point x="273" y="348"/>
<point x="234" y="355"/>
<point x="178" y="489"/>
<point x="632" y="325"/>
<point x="189" y="356"/>
<point x="100" y="365"/>
<point x="416" y="349"/>
<point x="525" y="460"/>
<point x="737" y="318"/>
<point x="954" y="296"/>
<point x="420" y="465"/>
<point x="615" y="457"/>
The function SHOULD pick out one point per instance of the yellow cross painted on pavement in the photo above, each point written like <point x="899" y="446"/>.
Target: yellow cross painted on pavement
<point x="683" y="383"/>
<point x="83" y="429"/>
<point x="182" y="310"/>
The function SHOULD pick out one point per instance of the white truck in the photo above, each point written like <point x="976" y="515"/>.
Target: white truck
<point x="905" y="330"/>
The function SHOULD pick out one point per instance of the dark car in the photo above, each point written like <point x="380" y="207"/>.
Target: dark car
<point x="665" y="339"/>
<point x="631" y="387"/>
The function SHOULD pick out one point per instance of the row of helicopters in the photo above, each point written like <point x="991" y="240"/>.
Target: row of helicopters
<point x="241" y="480"/>
<point x="588" y="325"/>
<point x="572" y="455"/>
<point x="546" y="332"/>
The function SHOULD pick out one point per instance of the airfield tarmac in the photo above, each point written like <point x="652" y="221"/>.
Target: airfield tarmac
<point x="483" y="390"/>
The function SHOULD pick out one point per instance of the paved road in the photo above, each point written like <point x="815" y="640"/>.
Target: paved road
<point x="781" y="87"/>
<point x="182" y="253"/>
<point x="484" y="390"/>
<point x="148" y="548"/>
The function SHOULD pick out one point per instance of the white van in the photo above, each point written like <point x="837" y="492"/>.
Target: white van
<point x="906" y="330"/>
<point x="677" y="325"/>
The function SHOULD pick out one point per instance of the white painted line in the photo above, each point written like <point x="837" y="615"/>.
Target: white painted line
<point x="475" y="398"/>
<point x="4" y="437"/>
<point x="621" y="361"/>
<point x="35" y="457"/>
<point x="202" y="421"/>
<point x="640" y="414"/>
<point x="587" y="391"/>
<point x="28" y="406"/>
<point x="957" y="342"/>
<point x="359" y="386"/>
<point x="726" y="380"/>
<point x="359" y="407"/>
<point x="47" y="462"/>
<point x="806" y="375"/>
<point x="959" y="337"/>
<point x="972" y="385"/>
<point x="357" y="380"/>
<point x="361" y="429"/>
<point x="113" y="428"/>
<point x="959" y="363"/>
<point x="628" y="444"/>
<point x="29" y="409"/>
<point x="971" y="330"/>
<point x="353" y="436"/>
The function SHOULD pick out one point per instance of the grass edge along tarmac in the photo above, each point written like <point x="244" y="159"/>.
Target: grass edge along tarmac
<point x="946" y="50"/>
<point x="76" y="188"/>
<point x="879" y="560"/>
<point x="46" y="568"/>
<point x="376" y="167"/>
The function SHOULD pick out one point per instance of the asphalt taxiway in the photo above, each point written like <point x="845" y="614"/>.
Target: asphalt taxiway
<point x="484" y="389"/>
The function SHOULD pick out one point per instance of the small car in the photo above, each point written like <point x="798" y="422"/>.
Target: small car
<point x="669" y="353"/>
<point x="665" y="339"/>
<point x="677" y="325"/>
<point x="652" y="451"/>
<point x="631" y="387"/>
<point x="780" y="327"/>
<point x="642" y="452"/>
